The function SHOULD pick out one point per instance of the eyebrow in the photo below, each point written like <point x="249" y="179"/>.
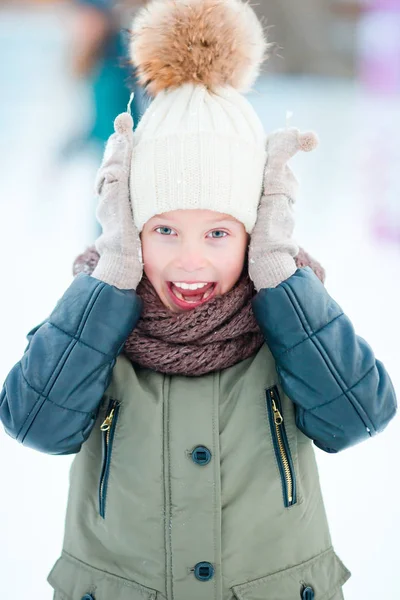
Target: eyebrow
<point x="227" y="218"/>
<point x="220" y="220"/>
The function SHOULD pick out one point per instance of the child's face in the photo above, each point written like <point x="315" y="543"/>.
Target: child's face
<point x="193" y="247"/>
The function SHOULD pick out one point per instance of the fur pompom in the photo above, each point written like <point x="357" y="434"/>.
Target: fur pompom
<point x="208" y="42"/>
<point x="123" y="123"/>
<point x="308" y="141"/>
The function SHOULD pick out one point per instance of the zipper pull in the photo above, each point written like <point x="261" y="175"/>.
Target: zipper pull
<point x="277" y="415"/>
<point x="107" y="422"/>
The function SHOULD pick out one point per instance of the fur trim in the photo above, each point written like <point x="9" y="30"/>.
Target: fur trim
<point x="209" y="42"/>
<point x="303" y="259"/>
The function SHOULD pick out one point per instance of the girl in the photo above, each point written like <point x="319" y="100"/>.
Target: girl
<point x="191" y="401"/>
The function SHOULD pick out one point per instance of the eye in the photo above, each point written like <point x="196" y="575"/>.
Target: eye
<point x="218" y="233"/>
<point x="164" y="230"/>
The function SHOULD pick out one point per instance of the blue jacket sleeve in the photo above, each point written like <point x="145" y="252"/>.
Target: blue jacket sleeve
<point x="50" y="398"/>
<point x="342" y="394"/>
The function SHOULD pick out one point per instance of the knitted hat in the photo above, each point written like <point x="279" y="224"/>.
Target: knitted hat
<point x="200" y="143"/>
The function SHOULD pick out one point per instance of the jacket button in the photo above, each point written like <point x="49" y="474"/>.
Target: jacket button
<point x="87" y="597"/>
<point x="203" y="571"/>
<point x="201" y="455"/>
<point x="308" y="593"/>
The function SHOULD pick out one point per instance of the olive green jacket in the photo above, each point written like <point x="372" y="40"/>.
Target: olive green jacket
<point x="197" y="489"/>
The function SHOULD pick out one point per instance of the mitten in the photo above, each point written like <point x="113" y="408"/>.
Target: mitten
<point x="119" y="246"/>
<point x="272" y="249"/>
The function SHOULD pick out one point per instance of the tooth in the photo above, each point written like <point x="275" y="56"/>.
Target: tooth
<point x="189" y="286"/>
<point x="208" y="293"/>
<point x="178" y="294"/>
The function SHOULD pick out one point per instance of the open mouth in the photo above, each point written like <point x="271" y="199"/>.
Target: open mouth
<point x="191" y="294"/>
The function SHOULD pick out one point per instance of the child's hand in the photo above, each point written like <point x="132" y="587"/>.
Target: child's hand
<point x="272" y="249"/>
<point x="119" y="245"/>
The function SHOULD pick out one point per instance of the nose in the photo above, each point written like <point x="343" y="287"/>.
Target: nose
<point x="191" y="257"/>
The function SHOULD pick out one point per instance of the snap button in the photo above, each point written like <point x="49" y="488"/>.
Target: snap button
<point x="201" y="455"/>
<point x="307" y="594"/>
<point x="87" y="597"/>
<point x="203" y="571"/>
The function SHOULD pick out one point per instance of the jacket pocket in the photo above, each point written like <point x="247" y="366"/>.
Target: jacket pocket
<point x="73" y="579"/>
<point x="108" y="432"/>
<point x="281" y="447"/>
<point x="320" y="578"/>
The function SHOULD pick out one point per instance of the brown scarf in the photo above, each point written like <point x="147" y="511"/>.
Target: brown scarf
<point x="213" y="336"/>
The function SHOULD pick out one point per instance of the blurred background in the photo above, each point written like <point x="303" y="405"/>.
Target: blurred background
<point x="65" y="76"/>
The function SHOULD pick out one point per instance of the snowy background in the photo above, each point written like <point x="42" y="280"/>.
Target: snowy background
<point x="348" y="216"/>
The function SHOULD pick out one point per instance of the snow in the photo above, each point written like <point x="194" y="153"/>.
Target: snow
<point x="347" y="216"/>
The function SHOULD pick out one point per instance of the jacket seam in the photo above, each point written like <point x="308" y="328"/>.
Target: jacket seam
<point x="33" y="408"/>
<point x="338" y="397"/>
<point x="277" y="574"/>
<point x="117" y="579"/>
<point x="72" y="344"/>
<point x="94" y="296"/>
<point x="29" y="413"/>
<point x="352" y="398"/>
<point x="310" y="336"/>
<point x="215" y="434"/>
<point x="333" y="371"/>
<point x="169" y="564"/>
<point x="82" y="412"/>
<point x="73" y="337"/>
<point x="3" y="396"/>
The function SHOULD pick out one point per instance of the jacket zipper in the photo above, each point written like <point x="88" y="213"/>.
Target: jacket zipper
<point x="108" y="430"/>
<point x="281" y="446"/>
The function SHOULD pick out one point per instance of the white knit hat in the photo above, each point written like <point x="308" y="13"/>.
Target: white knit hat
<point x="200" y="143"/>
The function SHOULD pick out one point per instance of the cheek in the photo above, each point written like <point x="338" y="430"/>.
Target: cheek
<point x="151" y="251"/>
<point x="233" y="268"/>
<point x="155" y="259"/>
<point x="151" y="258"/>
<point x="231" y="264"/>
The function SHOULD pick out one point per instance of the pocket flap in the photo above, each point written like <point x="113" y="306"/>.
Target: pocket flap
<point x="73" y="579"/>
<point x="325" y="574"/>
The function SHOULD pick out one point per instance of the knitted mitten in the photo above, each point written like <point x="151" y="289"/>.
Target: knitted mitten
<point x="272" y="249"/>
<point x="119" y="245"/>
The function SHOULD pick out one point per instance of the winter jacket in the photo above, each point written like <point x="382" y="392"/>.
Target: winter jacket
<point x="197" y="488"/>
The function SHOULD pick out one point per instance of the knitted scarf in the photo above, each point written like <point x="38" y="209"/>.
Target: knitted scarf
<point x="216" y="335"/>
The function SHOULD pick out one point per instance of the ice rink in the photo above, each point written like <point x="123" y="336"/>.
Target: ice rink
<point x="348" y="216"/>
